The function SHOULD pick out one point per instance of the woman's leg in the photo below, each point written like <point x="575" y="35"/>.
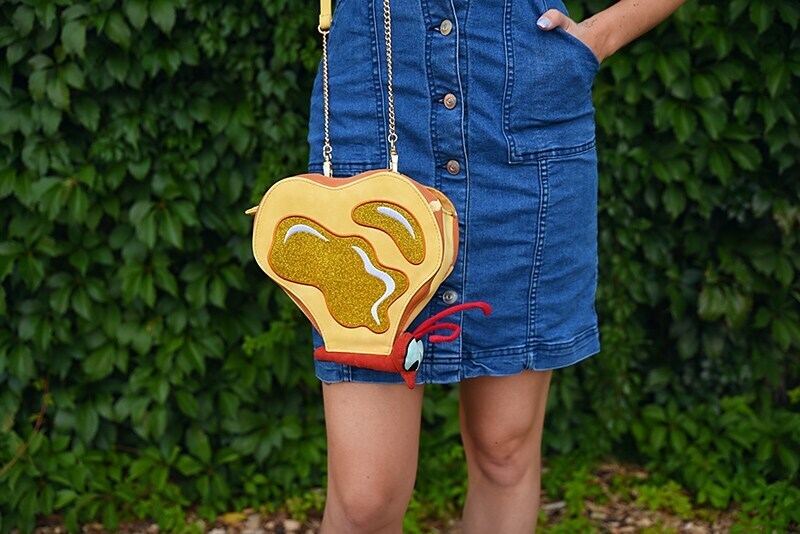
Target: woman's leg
<point x="501" y="428"/>
<point x="373" y="446"/>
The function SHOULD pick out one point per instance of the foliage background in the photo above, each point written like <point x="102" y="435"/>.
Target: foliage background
<point x="134" y="133"/>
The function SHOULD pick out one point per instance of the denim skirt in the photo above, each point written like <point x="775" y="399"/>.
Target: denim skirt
<point x="498" y="115"/>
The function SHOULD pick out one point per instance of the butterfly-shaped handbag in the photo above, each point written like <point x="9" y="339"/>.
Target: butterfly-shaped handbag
<point x="361" y="256"/>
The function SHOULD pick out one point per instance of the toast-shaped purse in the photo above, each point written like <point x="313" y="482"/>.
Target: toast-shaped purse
<point x="362" y="255"/>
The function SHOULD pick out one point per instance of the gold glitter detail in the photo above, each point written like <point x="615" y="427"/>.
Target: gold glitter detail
<point x="313" y="255"/>
<point x="412" y="246"/>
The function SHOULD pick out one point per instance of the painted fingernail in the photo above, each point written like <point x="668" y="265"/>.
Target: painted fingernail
<point x="543" y="22"/>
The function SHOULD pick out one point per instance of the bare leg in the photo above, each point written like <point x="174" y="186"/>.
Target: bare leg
<point x="373" y="447"/>
<point x="501" y="427"/>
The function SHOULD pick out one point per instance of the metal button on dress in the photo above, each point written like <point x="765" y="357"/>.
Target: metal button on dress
<point x="449" y="100"/>
<point x="445" y="27"/>
<point x="449" y="296"/>
<point x="453" y="166"/>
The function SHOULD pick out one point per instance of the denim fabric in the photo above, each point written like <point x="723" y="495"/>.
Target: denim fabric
<point x="523" y="132"/>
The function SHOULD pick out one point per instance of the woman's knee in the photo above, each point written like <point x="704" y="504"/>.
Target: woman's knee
<point x="506" y="460"/>
<point x="501" y="425"/>
<point x="370" y="507"/>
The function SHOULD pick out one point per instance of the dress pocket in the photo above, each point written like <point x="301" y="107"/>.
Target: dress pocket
<point x="547" y="104"/>
<point x="564" y="303"/>
<point x="588" y="52"/>
<point x="355" y="126"/>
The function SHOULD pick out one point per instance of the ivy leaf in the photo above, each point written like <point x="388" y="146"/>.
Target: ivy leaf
<point x="187" y="403"/>
<point x="5" y="78"/>
<point x="23" y="19"/>
<point x="87" y="421"/>
<point x="64" y="497"/>
<point x="148" y="290"/>
<point x="685" y="122"/>
<point x="100" y="363"/>
<point x="81" y="303"/>
<point x="778" y="78"/>
<point x="16" y="51"/>
<point x="166" y="281"/>
<point x="781" y="332"/>
<point x="139" y="169"/>
<point x="654" y="412"/>
<point x="78" y="204"/>
<point x="40" y="62"/>
<point x="761" y="14"/>
<point x="198" y="444"/>
<point x="160" y="389"/>
<point x="118" y="64"/>
<point x="790" y="14"/>
<point x="714" y="118"/>
<point x="21" y="364"/>
<point x="163" y="14"/>
<point x="136" y="10"/>
<point x="157" y="423"/>
<point x="37" y="84"/>
<point x="73" y="75"/>
<point x="746" y="155"/>
<point x="74" y="12"/>
<point x="705" y="86"/>
<point x="188" y="466"/>
<point x="139" y="210"/>
<point x="710" y="303"/>
<point x="110" y="517"/>
<point x="117" y="30"/>
<point x="50" y="118"/>
<point x="217" y="292"/>
<point x="674" y="200"/>
<point x="73" y="37"/>
<point x="58" y="92"/>
<point x="658" y="436"/>
<point x="87" y="111"/>
<point x="172" y="229"/>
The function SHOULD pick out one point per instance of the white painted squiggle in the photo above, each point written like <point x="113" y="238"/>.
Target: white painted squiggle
<point x="380" y="275"/>
<point x="394" y="214"/>
<point x="303" y="228"/>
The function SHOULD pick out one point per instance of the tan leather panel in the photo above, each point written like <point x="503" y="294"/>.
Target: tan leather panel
<point x="333" y="197"/>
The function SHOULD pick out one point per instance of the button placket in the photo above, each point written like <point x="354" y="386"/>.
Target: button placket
<point x="446" y="53"/>
<point x="445" y="73"/>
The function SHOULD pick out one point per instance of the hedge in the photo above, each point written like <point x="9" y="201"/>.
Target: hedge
<point x="133" y="134"/>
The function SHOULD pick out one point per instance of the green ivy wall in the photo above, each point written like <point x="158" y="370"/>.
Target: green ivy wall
<point x="133" y="134"/>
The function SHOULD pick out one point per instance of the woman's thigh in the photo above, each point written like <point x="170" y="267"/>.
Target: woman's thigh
<point x="501" y="421"/>
<point x="373" y="444"/>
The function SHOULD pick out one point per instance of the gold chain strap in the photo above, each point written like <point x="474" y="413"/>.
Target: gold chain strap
<point x="324" y="29"/>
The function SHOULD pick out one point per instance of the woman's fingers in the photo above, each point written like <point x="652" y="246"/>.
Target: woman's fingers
<point x="553" y="18"/>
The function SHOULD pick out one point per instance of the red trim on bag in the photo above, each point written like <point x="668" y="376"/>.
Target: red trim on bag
<point x="393" y="363"/>
<point x="429" y="324"/>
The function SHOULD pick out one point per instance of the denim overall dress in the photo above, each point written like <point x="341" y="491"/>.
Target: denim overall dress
<point x="498" y="115"/>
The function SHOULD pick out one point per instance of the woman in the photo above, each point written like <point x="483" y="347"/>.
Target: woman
<point x="494" y="108"/>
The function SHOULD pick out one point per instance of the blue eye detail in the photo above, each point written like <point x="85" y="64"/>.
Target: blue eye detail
<point x="413" y="355"/>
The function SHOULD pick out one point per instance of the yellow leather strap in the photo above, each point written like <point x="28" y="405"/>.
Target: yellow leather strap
<point x="325" y="14"/>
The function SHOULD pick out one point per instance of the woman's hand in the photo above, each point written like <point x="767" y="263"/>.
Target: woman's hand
<point x="614" y="27"/>
<point x="553" y="18"/>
